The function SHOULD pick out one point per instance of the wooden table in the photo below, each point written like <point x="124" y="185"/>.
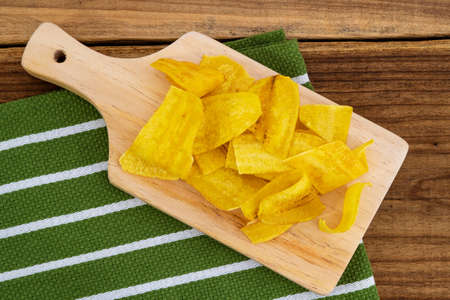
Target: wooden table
<point x="390" y="61"/>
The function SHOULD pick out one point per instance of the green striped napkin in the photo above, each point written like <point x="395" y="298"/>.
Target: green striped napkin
<point x="66" y="233"/>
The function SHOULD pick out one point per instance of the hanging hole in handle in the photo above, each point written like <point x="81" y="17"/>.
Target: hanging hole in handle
<point x="59" y="56"/>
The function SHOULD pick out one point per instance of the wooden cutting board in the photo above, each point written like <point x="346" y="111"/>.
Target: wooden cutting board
<point x="127" y="92"/>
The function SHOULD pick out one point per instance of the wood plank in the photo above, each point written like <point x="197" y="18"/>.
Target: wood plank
<point x="408" y="240"/>
<point x="106" y="21"/>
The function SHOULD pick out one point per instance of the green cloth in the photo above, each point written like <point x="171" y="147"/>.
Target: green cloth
<point x="66" y="233"/>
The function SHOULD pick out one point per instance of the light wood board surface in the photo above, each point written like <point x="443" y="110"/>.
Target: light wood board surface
<point x="127" y="91"/>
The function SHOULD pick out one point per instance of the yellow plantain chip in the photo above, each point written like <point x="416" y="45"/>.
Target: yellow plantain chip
<point x="252" y="129"/>
<point x="350" y="210"/>
<point x="195" y="171"/>
<point x="212" y="160"/>
<point x="279" y="183"/>
<point x="226" y="116"/>
<point x="302" y="213"/>
<point x="360" y="152"/>
<point x="163" y="147"/>
<point x="230" y="160"/>
<point x="354" y="163"/>
<point x="320" y="167"/>
<point x="189" y="76"/>
<point x="258" y="232"/>
<point x="288" y="198"/>
<point x="263" y="88"/>
<point x="331" y="122"/>
<point x="225" y="188"/>
<point x="251" y="158"/>
<point x="135" y="164"/>
<point x="304" y="140"/>
<point x="267" y="176"/>
<point x="281" y="116"/>
<point x="329" y="166"/>
<point x="236" y="77"/>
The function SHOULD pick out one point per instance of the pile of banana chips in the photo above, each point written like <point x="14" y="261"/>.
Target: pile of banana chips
<point x="248" y="144"/>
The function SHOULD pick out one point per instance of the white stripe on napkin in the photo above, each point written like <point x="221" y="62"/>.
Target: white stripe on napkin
<point x="338" y="290"/>
<point x="176" y="280"/>
<point x="70" y="218"/>
<point x="51" y="134"/>
<point x="301" y="79"/>
<point x="216" y="272"/>
<point x="54" y="177"/>
<point x="100" y="254"/>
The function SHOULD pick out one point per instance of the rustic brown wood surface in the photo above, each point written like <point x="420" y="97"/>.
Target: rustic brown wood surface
<point x="402" y="85"/>
<point x="105" y="21"/>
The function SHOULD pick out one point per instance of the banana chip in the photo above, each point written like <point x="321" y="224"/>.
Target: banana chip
<point x="189" y="76"/>
<point x="329" y="166"/>
<point x="252" y="128"/>
<point x="360" y="152"/>
<point x="236" y="77"/>
<point x="295" y="195"/>
<point x="353" y="162"/>
<point x="350" y="210"/>
<point x="230" y="160"/>
<point x="330" y="122"/>
<point x="267" y="176"/>
<point x="251" y="158"/>
<point x="225" y="188"/>
<point x="263" y="88"/>
<point x="304" y="140"/>
<point x="281" y="116"/>
<point x="163" y="147"/>
<point x="303" y="213"/>
<point x="258" y="232"/>
<point x="133" y="163"/>
<point x="212" y="160"/>
<point x="247" y="144"/>
<point x="278" y="184"/>
<point x="226" y="116"/>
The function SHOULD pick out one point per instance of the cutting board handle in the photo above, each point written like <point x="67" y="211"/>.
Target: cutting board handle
<point x="54" y="56"/>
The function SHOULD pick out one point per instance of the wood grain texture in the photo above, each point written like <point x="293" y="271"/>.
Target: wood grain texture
<point x="405" y="86"/>
<point x="127" y="92"/>
<point x="106" y="21"/>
